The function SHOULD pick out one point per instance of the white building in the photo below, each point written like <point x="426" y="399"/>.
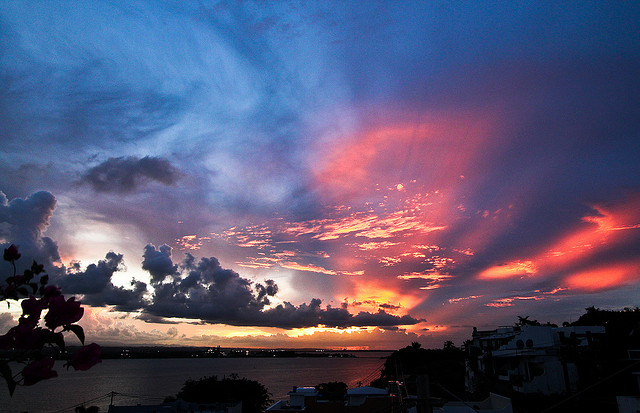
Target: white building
<point x="492" y="404"/>
<point x="529" y="359"/>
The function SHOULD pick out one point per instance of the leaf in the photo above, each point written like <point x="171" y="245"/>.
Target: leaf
<point x="5" y="371"/>
<point x="23" y="291"/>
<point x="77" y="330"/>
<point x="34" y="287"/>
<point x="56" y="338"/>
<point x="36" y="268"/>
<point x="28" y="275"/>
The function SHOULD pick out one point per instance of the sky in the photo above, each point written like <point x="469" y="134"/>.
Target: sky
<point x="322" y="174"/>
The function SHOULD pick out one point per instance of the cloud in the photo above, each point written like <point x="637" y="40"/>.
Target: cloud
<point x="158" y="262"/>
<point x="381" y="339"/>
<point x="204" y="290"/>
<point x="25" y="222"/>
<point x="200" y="290"/>
<point x="6" y="321"/>
<point x="126" y="174"/>
<point x="95" y="284"/>
<point x="101" y="325"/>
<point x="288" y="315"/>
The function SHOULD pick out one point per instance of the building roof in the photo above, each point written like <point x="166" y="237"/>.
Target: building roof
<point x="304" y="391"/>
<point x="366" y="391"/>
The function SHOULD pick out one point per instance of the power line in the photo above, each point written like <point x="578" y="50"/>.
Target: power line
<point x="369" y="376"/>
<point x="83" y="403"/>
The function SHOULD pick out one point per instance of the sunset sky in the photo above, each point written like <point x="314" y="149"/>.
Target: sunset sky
<point x="322" y="174"/>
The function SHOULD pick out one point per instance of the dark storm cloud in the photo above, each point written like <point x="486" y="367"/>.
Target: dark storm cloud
<point x="95" y="278"/>
<point x="201" y="289"/>
<point x="126" y="174"/>
<point x="196" y="289"/>
<point x="95" y="284"/>
<point x="158" y="262"/>
<point x="23" y="221"/>
<point x="204" y="290"/>
<point x="312" y="315"/>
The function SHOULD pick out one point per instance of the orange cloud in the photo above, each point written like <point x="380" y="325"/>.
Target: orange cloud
<point x="374" y="292"/>
<point x="365" y="224"/>
<point x="605" y="277"/>
<point x="314" y="268"/>
<point x="376" y="245"/>
<point x="610" y="226"/>
<point x="191" y="242"/>
<point x="471" y="297"/>
<point x="449" y="141"/>
<point x="509" y="270"/>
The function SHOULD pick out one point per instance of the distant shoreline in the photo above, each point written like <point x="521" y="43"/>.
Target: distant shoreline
<point x="158" y="352"/>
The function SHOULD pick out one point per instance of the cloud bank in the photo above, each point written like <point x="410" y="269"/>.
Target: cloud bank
<point x="199" y="290"/>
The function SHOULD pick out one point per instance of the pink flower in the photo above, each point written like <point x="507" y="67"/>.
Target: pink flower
<point x="62" y="313"/>
<point x="7" y="340"/>
<point x="32" y="306"/>
<point x="38" y="370"/>
<point x="28" y="338"/>
<point x="85" y="358"/>
<point x="11" y="253"/>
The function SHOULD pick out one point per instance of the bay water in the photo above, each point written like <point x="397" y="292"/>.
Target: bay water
<point x="149" y="381"/>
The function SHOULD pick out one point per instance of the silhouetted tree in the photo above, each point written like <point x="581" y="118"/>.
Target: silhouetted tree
<point x="334" y="391"/>
<point x="254" y="396"/>
<point x="444" y="367"/>
<point x="449" y="346"/>
<point x="524" y="321"/>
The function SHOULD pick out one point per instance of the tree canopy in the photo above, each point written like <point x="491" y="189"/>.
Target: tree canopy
<point x="254" y="396"/>
<point x="444" y="367"/>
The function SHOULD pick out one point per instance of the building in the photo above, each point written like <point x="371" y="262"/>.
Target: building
<point x="631" y="404"/>
<point x="529" y="359"/>
<point x="358" y="400"/>
<point x="492" y="404"/>
<point x="180" y="406"/>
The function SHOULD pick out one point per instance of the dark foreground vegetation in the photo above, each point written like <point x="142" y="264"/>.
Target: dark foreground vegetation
<point x="254" y="396"/>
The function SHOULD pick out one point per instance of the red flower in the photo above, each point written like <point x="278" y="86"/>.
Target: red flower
<point x="62" y="313"/>
<point x="85" y="358"/>
<point x="11" y="253"/>
<point x="38" y="370"/>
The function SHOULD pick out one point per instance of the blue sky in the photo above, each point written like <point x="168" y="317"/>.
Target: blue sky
<point x="399" y="171"/>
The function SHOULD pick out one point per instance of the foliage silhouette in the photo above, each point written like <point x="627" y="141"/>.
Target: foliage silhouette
<point x="254" y="396"/>
<point x="333" y="391"/>
<point x="444" y="367"/>
<point x="34" y="345"/>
